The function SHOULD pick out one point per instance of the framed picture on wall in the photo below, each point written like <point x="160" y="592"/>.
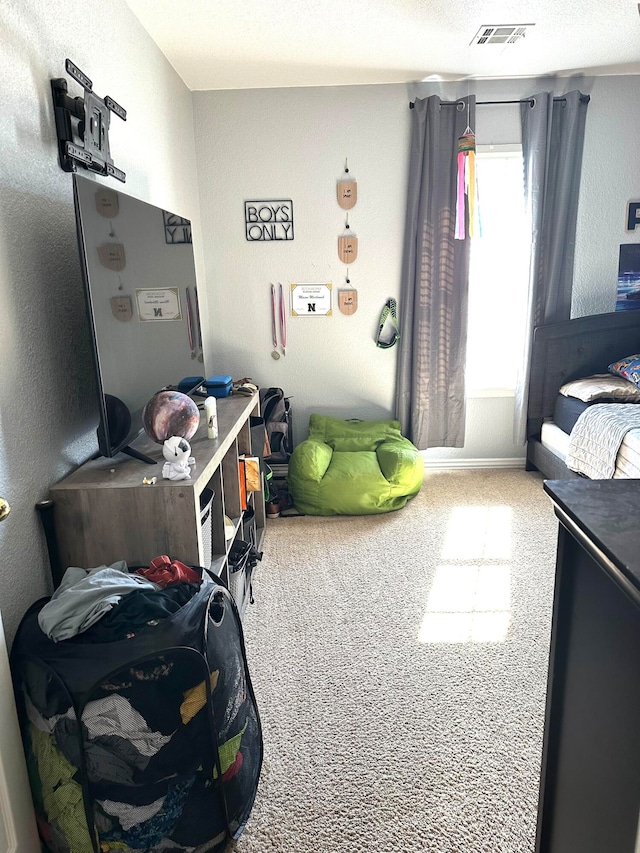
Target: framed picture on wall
<point x="311" y="300"/>
<point x="628" y="298"/>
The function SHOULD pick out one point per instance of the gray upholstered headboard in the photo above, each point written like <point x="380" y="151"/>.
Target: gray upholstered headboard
<point x="579" y="347"/>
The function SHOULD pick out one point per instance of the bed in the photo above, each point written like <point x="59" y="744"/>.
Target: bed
<point x="563" y="352"/>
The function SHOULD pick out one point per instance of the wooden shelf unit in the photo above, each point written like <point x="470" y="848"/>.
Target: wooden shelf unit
<point x="104" y="512"/>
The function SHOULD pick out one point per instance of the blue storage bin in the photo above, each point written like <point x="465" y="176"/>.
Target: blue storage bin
<point x="218" y="386"/>
<point x="189" y="383"/>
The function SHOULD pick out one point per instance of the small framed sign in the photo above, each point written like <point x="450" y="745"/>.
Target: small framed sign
<point x="311" y="300"/>
<point x="158" y="305"/>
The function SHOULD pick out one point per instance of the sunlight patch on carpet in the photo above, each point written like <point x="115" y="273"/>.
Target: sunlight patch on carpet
<point x="468" y="604"/>
<point x="479" y="533"/>
<point x="471" y="602"/>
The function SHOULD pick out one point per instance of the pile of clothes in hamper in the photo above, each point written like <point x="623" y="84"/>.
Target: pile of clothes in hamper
<point x="139" y="721"/>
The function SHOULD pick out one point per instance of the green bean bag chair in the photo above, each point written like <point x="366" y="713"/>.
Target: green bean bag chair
<point x="353" y="468"/>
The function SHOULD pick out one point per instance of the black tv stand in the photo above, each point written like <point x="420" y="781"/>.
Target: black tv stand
<point x="136" y="454"/>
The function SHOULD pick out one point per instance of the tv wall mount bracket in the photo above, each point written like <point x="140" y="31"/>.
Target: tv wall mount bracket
<point x="82" y="125"/>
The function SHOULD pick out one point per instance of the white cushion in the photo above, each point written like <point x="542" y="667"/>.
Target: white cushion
<point x="603" y="387"/>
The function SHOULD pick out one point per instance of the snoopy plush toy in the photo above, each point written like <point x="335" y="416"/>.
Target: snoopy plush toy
<point x="176" y="451"/>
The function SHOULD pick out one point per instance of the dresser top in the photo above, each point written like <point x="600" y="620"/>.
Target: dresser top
<point x="124" y="472"/>
<point x="607" y="512"/>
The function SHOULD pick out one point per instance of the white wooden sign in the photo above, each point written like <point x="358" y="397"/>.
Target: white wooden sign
<point x="348" y="248"/>
<point x="311" y="300"/>
<point x="158" y="305"/>
<point x="347" y="194"/>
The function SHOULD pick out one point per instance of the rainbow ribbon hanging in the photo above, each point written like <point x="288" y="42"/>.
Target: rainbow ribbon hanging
<point x="466" y="184"/>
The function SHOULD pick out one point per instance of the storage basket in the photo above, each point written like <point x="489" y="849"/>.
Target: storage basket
<point x="206" y="502"/>
<point x="148" y="743"/>
<point x="237" y="581"/>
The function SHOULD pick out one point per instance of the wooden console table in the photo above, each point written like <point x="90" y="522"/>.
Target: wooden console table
<point x="104" y="512"/>
<point x="590" y="783"/>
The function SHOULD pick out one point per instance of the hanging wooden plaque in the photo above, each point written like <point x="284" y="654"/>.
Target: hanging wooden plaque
<point x="347" y="194"/>
<point x="121" y="308"/>
<point x="112" y="256"/>
<point x="348" y="301"/>
<point x="107" y="202"/>
<point x="348" y="248"/>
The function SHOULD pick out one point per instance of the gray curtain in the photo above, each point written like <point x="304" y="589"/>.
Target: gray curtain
<point x="430" y="391"/>
<point x="552" y="143"/>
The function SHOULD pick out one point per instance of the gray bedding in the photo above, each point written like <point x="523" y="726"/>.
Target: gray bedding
<point x="596" y="438"/>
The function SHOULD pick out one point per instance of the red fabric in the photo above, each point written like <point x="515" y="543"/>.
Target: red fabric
<point x="233" y="769"/>
<point x="166" y="572"/>
<point x="45" y="829"/>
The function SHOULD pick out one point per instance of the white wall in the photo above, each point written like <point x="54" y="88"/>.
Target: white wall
<point x="610" y="179"/>
<point x="278" y="143"/>
<point x="48" y="412"/>
<point x="292" y="143"/>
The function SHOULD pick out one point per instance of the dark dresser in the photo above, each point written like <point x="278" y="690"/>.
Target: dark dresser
<point x="590" y="781"/>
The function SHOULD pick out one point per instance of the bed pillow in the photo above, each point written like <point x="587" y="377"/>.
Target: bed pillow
<point x="603" y="388"/>
<point x="628" y="367"/>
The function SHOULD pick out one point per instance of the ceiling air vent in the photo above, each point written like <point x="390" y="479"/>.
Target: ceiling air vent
<point x="500" y="33"/>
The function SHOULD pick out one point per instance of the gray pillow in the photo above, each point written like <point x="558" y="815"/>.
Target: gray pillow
<point x="603" y="388"/>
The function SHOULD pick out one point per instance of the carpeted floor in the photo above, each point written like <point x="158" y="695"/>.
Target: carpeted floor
<point x="399" y="663"/>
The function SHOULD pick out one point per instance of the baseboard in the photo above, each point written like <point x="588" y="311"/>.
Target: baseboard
<point x="443" y="464"/>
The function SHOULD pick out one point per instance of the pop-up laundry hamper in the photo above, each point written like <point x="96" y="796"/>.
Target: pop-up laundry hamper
<point x="151" y="743"/>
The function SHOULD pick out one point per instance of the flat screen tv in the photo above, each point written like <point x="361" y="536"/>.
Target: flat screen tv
<point x="140" y="285"/>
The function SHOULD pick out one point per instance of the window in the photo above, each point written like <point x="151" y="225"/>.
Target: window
<point x="498" y="275"/>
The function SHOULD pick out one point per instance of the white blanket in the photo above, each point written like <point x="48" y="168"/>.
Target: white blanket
<point x="596" y="438"/>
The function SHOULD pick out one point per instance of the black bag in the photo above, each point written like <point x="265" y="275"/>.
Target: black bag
<point x="276" y="411"/>
<point x="243" y="558"/>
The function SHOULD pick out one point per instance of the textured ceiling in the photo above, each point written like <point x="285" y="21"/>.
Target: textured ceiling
<point x="237" y="44"/>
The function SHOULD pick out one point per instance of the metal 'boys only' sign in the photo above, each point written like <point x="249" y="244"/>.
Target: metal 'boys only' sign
<point x="268" y="220"/>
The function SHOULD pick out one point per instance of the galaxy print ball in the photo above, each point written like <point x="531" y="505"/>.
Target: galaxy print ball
<point x="170" y="413"/>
